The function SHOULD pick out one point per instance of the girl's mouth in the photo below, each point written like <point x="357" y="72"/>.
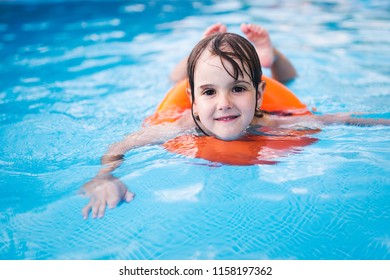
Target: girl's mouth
<point x="226" y="118"/>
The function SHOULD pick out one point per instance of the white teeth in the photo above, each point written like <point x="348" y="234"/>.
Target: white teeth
<point x="226" y="118"/>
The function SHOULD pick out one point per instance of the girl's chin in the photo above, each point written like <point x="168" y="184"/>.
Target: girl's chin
<point x="229" y="137"/>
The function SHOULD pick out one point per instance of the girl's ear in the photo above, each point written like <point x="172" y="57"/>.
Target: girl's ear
<point x="260" y="92"/>
<point x="188" y="91"/>
<point x="194" y="107"/>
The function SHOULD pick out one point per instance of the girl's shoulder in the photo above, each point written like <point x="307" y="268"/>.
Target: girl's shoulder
<point x="264" y="120"/>
<point x="186" y="120"/>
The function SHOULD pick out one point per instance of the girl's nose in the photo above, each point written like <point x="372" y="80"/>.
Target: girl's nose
<point x="224" y="102"/>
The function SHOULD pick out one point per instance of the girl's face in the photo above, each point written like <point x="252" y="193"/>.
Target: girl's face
<point x="226" y="107"/>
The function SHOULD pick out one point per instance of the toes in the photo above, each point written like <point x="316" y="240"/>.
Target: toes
<point x="217" y="27"/>
<point x="252" y="29"/>
<point x="222" y="28"/>
<point x="244" y="27"/>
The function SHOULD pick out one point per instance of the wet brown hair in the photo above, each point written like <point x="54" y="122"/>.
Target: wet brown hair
<point x="231" y="48"/>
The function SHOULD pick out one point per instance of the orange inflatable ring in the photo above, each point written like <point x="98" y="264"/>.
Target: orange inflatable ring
<point x="254" y="149"/>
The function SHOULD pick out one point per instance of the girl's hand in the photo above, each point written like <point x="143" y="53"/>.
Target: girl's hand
<point x="104" y="191"/>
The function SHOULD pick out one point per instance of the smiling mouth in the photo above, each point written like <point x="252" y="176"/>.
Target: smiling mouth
<point x="226" y="118"/>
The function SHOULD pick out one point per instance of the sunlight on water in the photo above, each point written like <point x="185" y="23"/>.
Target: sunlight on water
<point x="74" y="81"/>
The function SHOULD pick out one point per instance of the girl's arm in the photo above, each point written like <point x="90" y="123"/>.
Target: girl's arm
<point x="105" y="189"/>
<point x="313" y="121"/>
<point x="150" y="135"/>
<point x="350" y="119"/>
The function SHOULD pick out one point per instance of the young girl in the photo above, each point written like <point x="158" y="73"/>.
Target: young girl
<point x="224" y="75"/>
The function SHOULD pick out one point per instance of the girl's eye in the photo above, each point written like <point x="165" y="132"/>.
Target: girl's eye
<point x="238" y="89"/>
<point x="209" y="92"/>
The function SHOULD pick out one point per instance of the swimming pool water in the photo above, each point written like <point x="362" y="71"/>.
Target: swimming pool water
<point x="79" y="75"/>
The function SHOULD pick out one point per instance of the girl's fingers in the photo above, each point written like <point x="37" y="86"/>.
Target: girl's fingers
<point x="95" y="209"/>
<point x="113" y="201"/>
<point x="86" y="210"/>
<point x="101" y="210"/>
<point x="129" y="196"/>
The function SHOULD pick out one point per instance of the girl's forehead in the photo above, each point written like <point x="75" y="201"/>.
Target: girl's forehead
<point x="209" y="60"/>
<point x="209" y="63"/>
<point x="207" y="55"/>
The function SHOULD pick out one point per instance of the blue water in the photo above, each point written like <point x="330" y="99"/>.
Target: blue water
<point x="79" y="75"/>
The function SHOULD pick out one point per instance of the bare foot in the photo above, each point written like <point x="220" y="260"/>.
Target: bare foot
<point x="215" y="28"/>
<point x="262" y="42"/>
